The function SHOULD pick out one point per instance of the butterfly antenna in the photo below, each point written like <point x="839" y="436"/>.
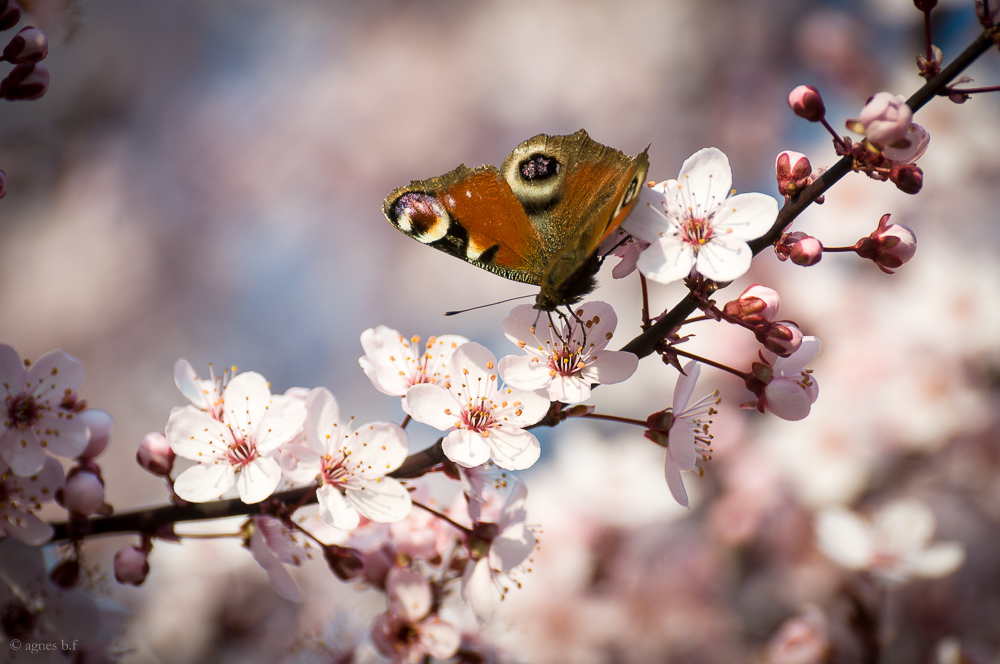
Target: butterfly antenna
<point x="483" y="306"/>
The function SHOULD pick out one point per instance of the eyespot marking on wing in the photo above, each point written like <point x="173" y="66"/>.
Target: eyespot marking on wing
<point x="421" y="216"/>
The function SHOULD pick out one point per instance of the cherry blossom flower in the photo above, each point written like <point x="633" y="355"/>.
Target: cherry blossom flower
<point x="40" y="409"/>
<point x="894" y="546"/>
<point x="886" y="119"/>
<point x="498" y="546"/>
<point x="701" y="226"/>
<point x="486" y="421"/>
<point x="785" y="387"/>
<point x="394" y="364"/>
<point x="205" y="394"/>
<point x="683" y="430"/>
<point x="351" y="463"/>
<point x="273" y="546"/>
<point x="565" y="360"/>
<point x="34" y="611"/>
<point x="239" y="450"/>
<point x="20" y="497"/>
<point x="409" y="631"/>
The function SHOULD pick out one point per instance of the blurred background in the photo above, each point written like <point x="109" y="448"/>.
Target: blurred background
<point x="205" y="180"/>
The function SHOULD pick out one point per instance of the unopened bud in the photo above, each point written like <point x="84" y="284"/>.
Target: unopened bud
<point x="83" y="494"/>
<point x="345" y="562"/>
<point x="28" y="45"/>
<point x="889" y="246"/>
<point x="26" y="81"/>
<point x="908" y="178"/>
<point x="757" y="304"/>
<point x="131" y="565"/>
<point x="781" y="337"/>
<point x="99" y="426"/>
<point x="807" y="103"/>
<point x="10" y="14"/>
<point x="155" y="454"/>
<point x="886" y="120"/>
<point x="793" y="170"/>
<point x="803" y="249"/>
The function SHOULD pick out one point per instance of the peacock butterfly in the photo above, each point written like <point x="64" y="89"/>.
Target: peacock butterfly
<point x="538" y="219"/>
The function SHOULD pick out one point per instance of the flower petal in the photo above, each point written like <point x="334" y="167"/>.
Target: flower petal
<point x="258" y="479"/>
<point x="335" y="509"/>
<point x="611" y="366"/>
<point x="746" y="216"/>
<point x="666" y="260"/>
<point x="844" y="537"/>
<point x="377" y="449"/>
<point x="22" y="451"/>
<point x="705" y="180"/>
<point x="193" y="434"/>
<point x="12" y="372"/>
<point x="685" y="387"/>
<point x="246" y="399"/>
<point x="512" y="448"/>
<point x="53" y="374"/>
<point x="724" y="258"/>
<point x="477" y="589"/>
<point x="433" y="405"/>
<point x="674" y="482"/>
<point x="205" y="481"/>
<point x="382" y="501"/>
<point x="466" y="448"/>
<point x="322" y="421"/>
<point x="525" y="372"/>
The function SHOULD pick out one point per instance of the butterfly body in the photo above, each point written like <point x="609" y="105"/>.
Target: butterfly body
<point x="538" y="219"/>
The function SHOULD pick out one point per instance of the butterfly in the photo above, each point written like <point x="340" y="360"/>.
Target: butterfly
<point x="538" y="219"/>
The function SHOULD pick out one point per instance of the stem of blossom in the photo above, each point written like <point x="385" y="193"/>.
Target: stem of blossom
<point x="615" y="418"/>
<point x="972" y="91"/>
<point x="712" y="363"/>
<point x="837" y="138"/>
<point x="443" y="517"/>
<point x="406" y="420"/>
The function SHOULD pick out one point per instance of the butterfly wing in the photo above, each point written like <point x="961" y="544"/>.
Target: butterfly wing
<point x="576" y="192"/>
<point x="472" y="214"/>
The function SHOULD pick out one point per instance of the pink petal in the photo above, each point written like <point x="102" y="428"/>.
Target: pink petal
<point x="53" y="374"/>
<point x="675" y="483"/>
<point x="12" y="372"/>
<point x="685" y="387"/>
<point x="22" y="451"/>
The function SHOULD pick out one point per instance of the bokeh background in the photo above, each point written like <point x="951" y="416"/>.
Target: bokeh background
<point x="204" y="181"/>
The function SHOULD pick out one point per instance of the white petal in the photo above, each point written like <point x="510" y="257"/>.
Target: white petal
<point x="746" y="216"/>
<point x="787" y="399"/>
<point x="54" y="373"/>
<point x="612" y="366"/>
<point x="705" y="179"/>
<point x="724" y="258"/>
<point x="797" y="361"/>
<point x="205" y="481"/>
<point x="335" y="509"/>
<point x="25" y="527"/>
<point x="409" y="594"/>
<point x="519" y="324"/>
<point x="323" y="427"/>
<point x="377" y="448"/>
<point x="845" y="538"/>
<point x="258" y="479"/>
<point x="937" y="560"/>
<point x="63" y="435"/>
<point x="685" y="387"/>
<point x="433" y="405"/>
<point x="525" y="372"/>
<point x="281" y="580"/>
<point x="472" y="362"/>
<point x="903" y="526"/>
<point x="380" y="363"/>
<point x="466" y="448"/>
<point x="511" y="548"/>
<point x="12" y="371"/>
<point x="520" y="408"/>
<point x="478" y="590"/>
<point x="282" y="422"/>
<point x="246" y="399"/>
<point x="568" y="389"/>
<point x="187" y="382"/>
<point x="384" y="501"/>
<point x="647" y="221"/>
<point x="666" y="260"/>
<point x="674" y="482"/>
<point x="22" y="451"/>
<point x="512" y="448"/>
<point x="681" y="445"/>
<point x="192" y="434"/>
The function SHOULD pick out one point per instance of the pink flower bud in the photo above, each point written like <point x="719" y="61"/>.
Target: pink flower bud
<point x="782" y="337"/>
<point x="28" y="45"/>
<point x="889" y="246"/>
<point x="807" y="103"/>
<point x="26" y="81"/>
<point x="793" y="170"/>
<point x="131" y="565"/>
<point x="155" y="454"/>
<point x="918" y="138"/>
<point x="99" y="425"/>
<point x="908" y="178"/>
<point x="803" y="249"/>
<point x="757" y="304"/>
<point x="807" y="251"/>
<point x="83" y="494"/>
<point x="345" y="562"/>
<point x="886" y="119"/>
<point x="10" y="14"/>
